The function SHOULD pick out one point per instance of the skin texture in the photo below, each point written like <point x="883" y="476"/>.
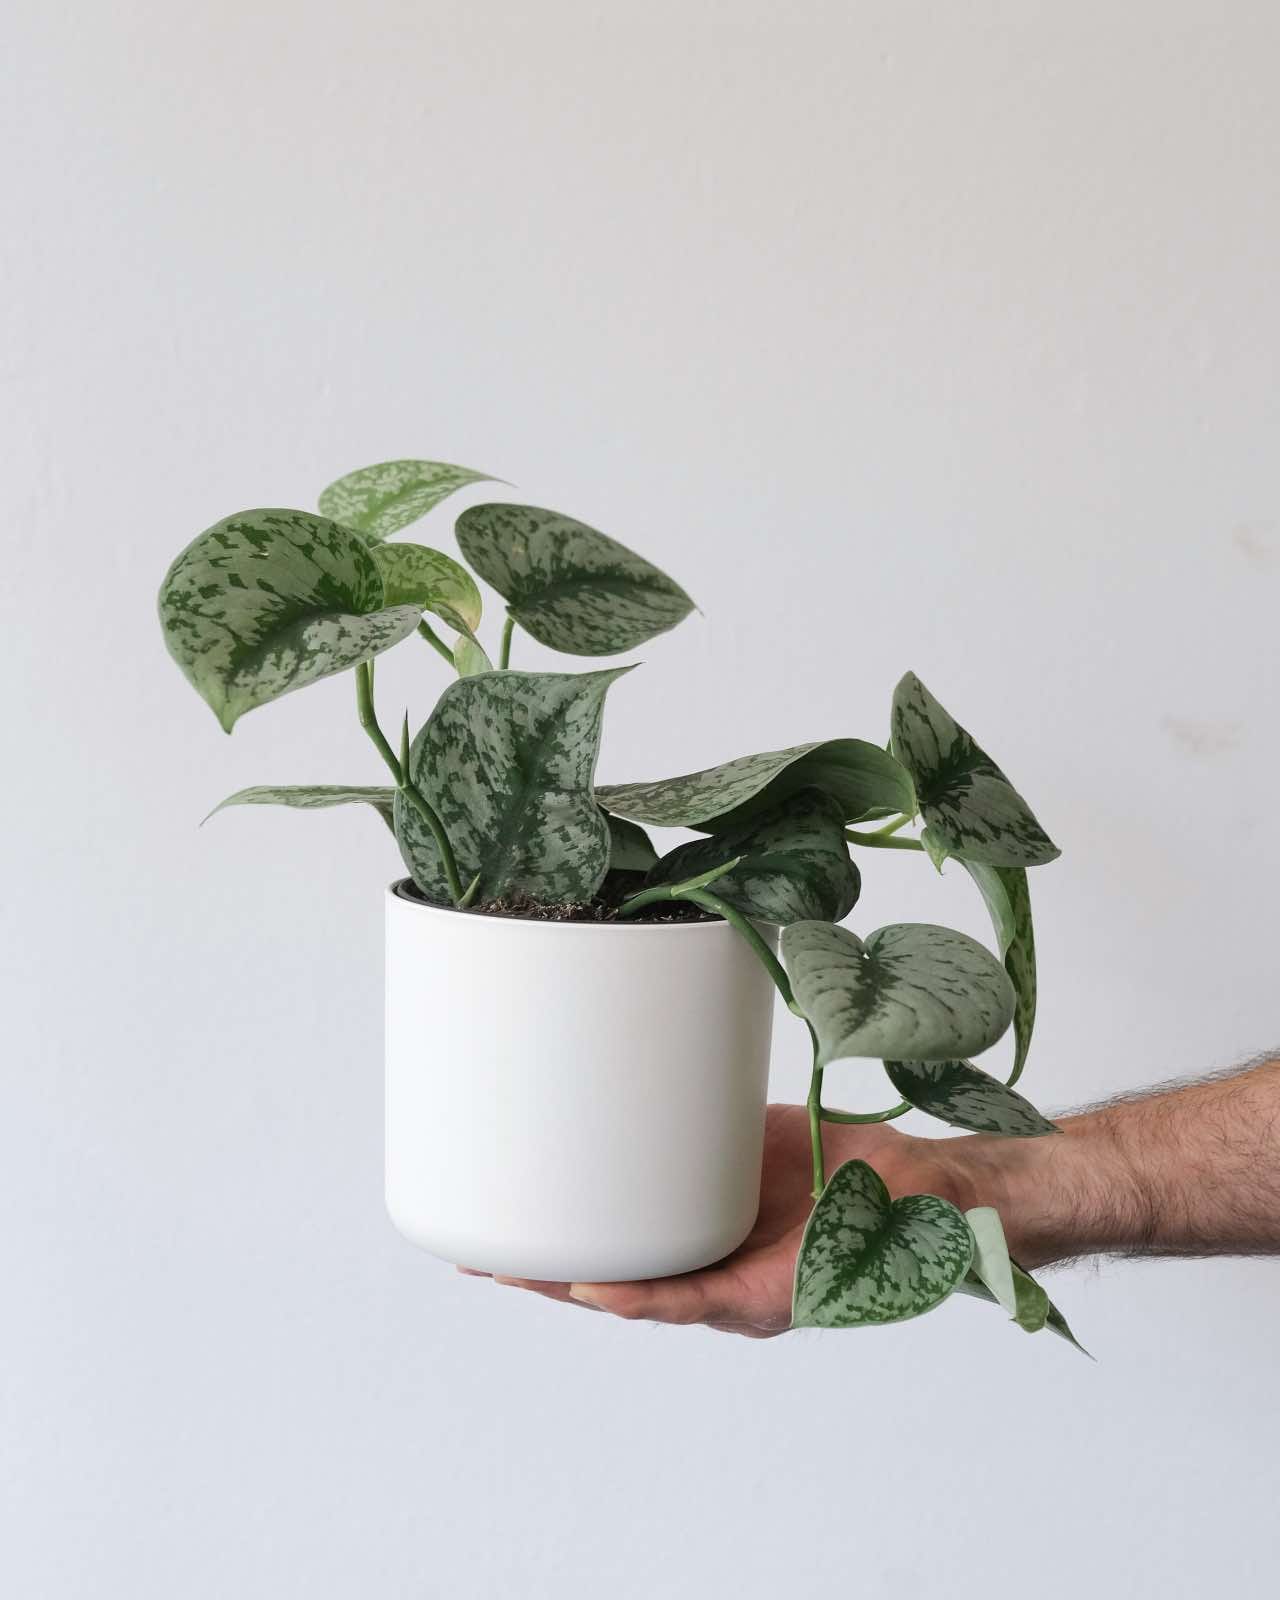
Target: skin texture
<point x="1192" y="1169"/>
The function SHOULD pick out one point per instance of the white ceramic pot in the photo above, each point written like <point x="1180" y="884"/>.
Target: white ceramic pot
<point x="573" y="1101"/>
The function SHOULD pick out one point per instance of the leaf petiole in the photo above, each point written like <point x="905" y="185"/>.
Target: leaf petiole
<point x="435" y="641"/>
<point x="413" y="795"/>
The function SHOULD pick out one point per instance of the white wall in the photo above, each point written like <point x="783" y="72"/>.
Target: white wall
<point x="941" y="337"/>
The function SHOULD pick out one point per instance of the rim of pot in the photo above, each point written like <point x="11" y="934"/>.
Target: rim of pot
<point x="397" y="887"/>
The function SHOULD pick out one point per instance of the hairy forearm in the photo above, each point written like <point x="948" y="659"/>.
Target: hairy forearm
<point x="1186" y="1170"/>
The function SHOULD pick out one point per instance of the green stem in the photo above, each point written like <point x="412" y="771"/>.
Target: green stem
<point x="814" y="1105"/>
<point x="435" y="641"/>
<point x="504" y="649"/>
<point x="413" y="795"/>
<point x="889" y="827"/>
<point x="369" y="721"/>
<point x="881" y="841"/>
<point x="735" y="919"/>
<point x="859" y="1117"/>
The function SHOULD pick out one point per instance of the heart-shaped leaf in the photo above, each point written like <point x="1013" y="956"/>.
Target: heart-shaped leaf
<point x="380" y="500"/>
<point x="415" y="575"/>
<point x="858" y="776"/>
<point x="630" y="848"/>
<point x="912" y="990"/>
<point x="268" y="601"/>
<point x="866" y="1259"/>
<point x="1008" y="898"/>
<point x="568" y="586"/>
<point x="996" y="1277"/>
<point x="961" y="1094"/>
<point x="971" y="808"/>
<point x="313" y="797"/>
<point x="794" y="862"/>
<point x="507" y="760"/>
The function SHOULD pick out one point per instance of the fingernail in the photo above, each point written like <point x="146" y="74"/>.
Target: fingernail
<point x="582" y="1292"/>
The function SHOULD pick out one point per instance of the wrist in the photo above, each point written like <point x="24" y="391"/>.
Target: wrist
<point x="1059" y="1196"/>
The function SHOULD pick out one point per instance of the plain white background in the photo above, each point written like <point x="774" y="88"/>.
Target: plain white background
<point x="939" y="337"/>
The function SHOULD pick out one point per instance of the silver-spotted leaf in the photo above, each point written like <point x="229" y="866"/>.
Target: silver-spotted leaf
<point x="415" y="575"/>
<point x="1008" y="897"/>
<point x="971" y="808"/>
<point x="268" y="601"/>
<point x="858" y="776"/>
<point x="793" y="862"/>
<point x="570" y="587"/>
<point x="866" y="1259"/>
<point x="313" y="797"/>
<point x="378" y="501"/>
<point x="963" y="1095"/>
<point x="996" y="1277"/>
<point x="911" y="981"/>
<point x="630" y="848"/>
<point x="507" y="761"/>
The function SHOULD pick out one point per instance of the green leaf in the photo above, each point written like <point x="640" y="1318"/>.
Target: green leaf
<point x="568" y="586"/>
<point x="794" y="862"/>
<point x="971" y="808"/>
<point x="469" y="657"/>
<point x="961" y="1094"/>
<point x="380" y="500"/>
<point x="267" y="601"/>
<point x="866" y="1259"/>
<point x="857" y="775"/>
<point x="414" y="575"/>
<point x="507" y="760"/>
<point x="630" y="848"/>
<point x="912" y="990"/>
<point x="991" y="1264"/>
<point x="997" y="1278"/>
<point x="312" y="797"/>
<point x="1008" y="897"/>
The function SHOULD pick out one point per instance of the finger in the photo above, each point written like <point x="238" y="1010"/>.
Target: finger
<point x="549" y="1291"/>
<point x="745" y="1329"/>
<point x="472" y="1272"/>
<point x="692" y="1297"/>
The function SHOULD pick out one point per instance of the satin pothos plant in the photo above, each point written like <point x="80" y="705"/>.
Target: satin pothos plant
<point x="494" y="805"/>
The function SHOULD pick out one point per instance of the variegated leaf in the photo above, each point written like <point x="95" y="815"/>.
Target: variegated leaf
<point x="469" y="657"/>
<point x="996" y="1277"/>
<point x="971" y="808"/>
<point x="794" y="862"/>
<point x="507" y="760"/>
<point x="911" y="990"/>
<point x="313" y="797"/>
<point x="961" y="1094"/>
<point x="1008" y="897"/>
<point x="268" y="601"/>
<point x="630" y="848"/>
<point x="866" y="1259"/>
<point x="568" y="586"/>
<point x="858" y="776"/>
<point x="415" y="575"/>
<point x="380" y="500"/>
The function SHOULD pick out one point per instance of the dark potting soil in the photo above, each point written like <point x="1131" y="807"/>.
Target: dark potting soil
<point x="617" y="887"/>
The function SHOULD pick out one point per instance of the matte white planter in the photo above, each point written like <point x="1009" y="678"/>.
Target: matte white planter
<point x="573" y="1101"/>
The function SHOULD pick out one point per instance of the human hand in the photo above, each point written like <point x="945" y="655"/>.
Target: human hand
<point x="749" y="1292"/>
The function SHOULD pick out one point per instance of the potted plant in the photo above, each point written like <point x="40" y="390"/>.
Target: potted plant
<point x="577" y="1026"/>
